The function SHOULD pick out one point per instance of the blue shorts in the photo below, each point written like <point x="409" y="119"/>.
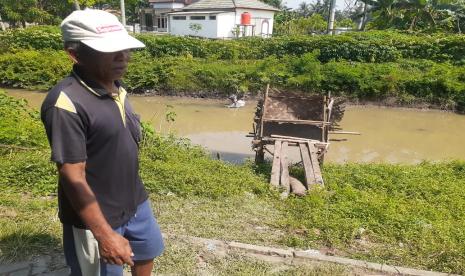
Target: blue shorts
<point x="81" y="248"/>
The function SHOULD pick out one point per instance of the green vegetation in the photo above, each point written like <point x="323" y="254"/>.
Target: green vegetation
<point x="374" y="46"/>
<point x="19" y="125"/>
<point x="370" y="66"/>
<point x="408" y="81"/>
<point x="399" y="214"/>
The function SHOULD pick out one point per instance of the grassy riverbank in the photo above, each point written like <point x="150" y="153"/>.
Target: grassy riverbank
<point x="410" y="215"/>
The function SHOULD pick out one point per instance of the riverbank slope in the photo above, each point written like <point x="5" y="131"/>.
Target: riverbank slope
<point x="408" y="215"/>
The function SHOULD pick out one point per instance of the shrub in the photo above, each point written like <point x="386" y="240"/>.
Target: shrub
<point x="19" y="125"/>
<point x="33" y="69"/>
<point x="409" y="81"/>
<point x="372" y="46"/>
<point x="37" y="37"/>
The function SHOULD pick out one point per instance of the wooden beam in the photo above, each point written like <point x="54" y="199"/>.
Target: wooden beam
<point x="323" y="129"/>
<point x="276" y="168"/>
<point x="345" y="132"/>
<point x="263" y="109"/>
<point x="308" y="169"/>
<point x="285" y="168"/>
<point x="298" y="122"/>
<point x="293" y="138"/>
<point x="315" y="164"/>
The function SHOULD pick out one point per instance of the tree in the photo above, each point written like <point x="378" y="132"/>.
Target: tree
<point x="18" y="12"/>
<point x="416" y="15"/>
<point x="321" y="7"/>
<point x="304" y="9"/>
<point x="302" y="26"/>
<point x="275" y="3"/>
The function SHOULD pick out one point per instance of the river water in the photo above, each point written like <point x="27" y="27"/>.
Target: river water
<point x="393" y="135"/>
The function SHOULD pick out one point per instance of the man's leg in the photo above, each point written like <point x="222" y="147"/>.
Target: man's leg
<point x="144" y="236"/>
<point x="142" y="268"/>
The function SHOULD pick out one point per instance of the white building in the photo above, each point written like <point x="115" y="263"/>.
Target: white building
<point x="214" y="18"/>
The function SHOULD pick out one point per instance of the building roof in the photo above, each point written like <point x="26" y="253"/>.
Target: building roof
<point x="229" y="4"/>
<point x="196" y="12"/>
<point x="166" y="1"/>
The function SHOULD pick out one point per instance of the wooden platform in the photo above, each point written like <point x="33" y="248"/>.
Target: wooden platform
<point x="280" y="169"/>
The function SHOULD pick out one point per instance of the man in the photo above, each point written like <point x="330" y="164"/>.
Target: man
<point x="94" y="136"/>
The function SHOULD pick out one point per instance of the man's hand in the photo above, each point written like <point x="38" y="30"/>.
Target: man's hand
<point x="115" y="249"/>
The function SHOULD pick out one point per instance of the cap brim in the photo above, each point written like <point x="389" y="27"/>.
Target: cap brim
<point x="114" y="44"/>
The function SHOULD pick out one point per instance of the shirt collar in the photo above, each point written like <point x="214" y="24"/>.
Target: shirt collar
<point x="91" y="85"/>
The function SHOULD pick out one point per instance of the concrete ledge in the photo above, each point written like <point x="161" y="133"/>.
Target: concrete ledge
<point x="286" y="255"/>
<point x="264" y="250"/>
<point x="315" y="255"/>
<point x="10" y="268"/>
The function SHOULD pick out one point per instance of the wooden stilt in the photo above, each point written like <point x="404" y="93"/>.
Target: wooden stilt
<point x="315" y="164"/>
<point x="276" y="169"/>
<point x="285" y="169"/>
<point x="308" y="168"/>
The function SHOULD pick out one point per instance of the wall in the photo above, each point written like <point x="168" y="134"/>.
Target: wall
<point x="225" y="23"/>
<point x="258" y="16"/>
<point x="181" y="27"/>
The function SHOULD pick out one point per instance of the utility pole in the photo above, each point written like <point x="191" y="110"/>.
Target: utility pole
<point x="332" y="11"/>
<point x="76" y="5"/>
<point x="123" y="13"/>
<point x="2" y="26"/>
<point x="361" y="24"/>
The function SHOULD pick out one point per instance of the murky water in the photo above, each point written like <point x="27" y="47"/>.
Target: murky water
<point x="392" y="135"/>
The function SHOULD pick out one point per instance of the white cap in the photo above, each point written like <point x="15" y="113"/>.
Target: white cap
<point x="99" y="30"/>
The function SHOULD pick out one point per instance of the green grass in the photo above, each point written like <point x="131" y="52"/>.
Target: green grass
<point x="409" y="215"/>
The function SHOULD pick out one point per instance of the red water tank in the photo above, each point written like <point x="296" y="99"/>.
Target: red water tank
<point x="245" y="18"/>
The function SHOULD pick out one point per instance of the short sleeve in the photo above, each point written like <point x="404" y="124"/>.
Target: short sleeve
<point x="66" y="135"/>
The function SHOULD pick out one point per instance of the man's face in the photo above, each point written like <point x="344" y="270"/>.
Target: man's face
<point x="104" y="66"/>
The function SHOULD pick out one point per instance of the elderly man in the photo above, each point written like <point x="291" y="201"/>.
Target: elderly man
<point x="94" y="136"/>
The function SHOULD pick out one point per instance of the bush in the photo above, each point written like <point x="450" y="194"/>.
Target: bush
<point x="173" y="165"/>
<point x="37" y="37"/>
<point x="414" y="81"/>
<point x="372" y="46"/>
<point x="19" y="125"/>
<point x="33" y="69"/>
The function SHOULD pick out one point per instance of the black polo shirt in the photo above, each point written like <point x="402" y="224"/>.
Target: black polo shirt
<point x="84" y="123"/>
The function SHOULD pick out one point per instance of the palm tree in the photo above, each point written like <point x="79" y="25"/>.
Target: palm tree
<point x="383" y="12"/>
<point x="304" y="9"/>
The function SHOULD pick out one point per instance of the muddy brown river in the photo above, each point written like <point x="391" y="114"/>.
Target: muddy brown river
<point x="393" y="135"/>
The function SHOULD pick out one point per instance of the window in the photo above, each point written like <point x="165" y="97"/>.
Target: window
<point x="179" y="17"/>
<point x="197" y="17"/>
<point x="212" y="17"/>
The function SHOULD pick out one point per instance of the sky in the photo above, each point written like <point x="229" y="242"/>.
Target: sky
<point x="295" y="3"/>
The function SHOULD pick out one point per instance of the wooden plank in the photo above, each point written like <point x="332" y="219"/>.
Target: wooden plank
<point x="345" y="132"/>
<point x="317" y="143"/>
<point x="293" y="138"/>
<point x="276" y="169"/>
<point x="315" y="164"/>
<point x="285" y="168"/>
<point x="308" y="169"/>
<point x="304" y="122"/>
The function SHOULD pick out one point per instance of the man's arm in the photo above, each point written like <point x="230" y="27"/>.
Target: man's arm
<point x="113" y="247"/>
